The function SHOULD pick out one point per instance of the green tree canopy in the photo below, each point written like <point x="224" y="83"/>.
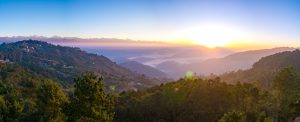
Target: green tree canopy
<point x="286" y="89"/>
<point x="233" y="116"/>
<point x="51" y="98"/>
<point x="89" y="101"/>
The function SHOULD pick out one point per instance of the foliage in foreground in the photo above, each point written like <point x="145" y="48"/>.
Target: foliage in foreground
<point x="195" y="99"/>
<point x="89" y="101"/>
<point x="25" y="96"/>
<point x="32" y="98"/>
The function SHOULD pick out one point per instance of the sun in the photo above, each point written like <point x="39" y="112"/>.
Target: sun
<point x="212" y="35"/>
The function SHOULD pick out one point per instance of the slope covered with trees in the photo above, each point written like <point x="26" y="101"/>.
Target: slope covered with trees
<point x="265" y="69"/>
<point x="65" y="63"/>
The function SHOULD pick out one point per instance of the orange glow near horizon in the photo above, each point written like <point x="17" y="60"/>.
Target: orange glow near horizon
<point x="214" y="35"/>
<point x="211" y="34"/>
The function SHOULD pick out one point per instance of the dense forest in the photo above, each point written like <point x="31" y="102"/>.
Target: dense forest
<point x="31" y="94"/>
<point x="25" y="96"/>
<point x="31" y="98"/>
<point x="210" y="100"/>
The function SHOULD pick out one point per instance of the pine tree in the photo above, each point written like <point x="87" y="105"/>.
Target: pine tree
<point x="233" y="116"/>
<point x="51" y="98"/>
<point x="89" y="101"/>
<point x="286" y="88"/>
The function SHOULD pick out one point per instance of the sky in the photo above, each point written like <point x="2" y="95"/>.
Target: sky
<point x="232" y="23"/>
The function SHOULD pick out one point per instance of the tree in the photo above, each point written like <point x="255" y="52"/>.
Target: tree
<point x="262" y="117"/>
<point x="286" y="88"/>
<point x="11" y="102"/>
<point x="89" y="101"/>
<point x="3" y="109"/>
<point x="233" y="116"/>
<point x="51" y="98"/>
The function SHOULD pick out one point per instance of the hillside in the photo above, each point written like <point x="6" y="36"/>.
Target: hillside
<point x="18" y="75"/>
<point x="144" y="69"/>
<point x="65" y="63"/>
<point x="265" y="69"/>
<point x="241" y="60"/>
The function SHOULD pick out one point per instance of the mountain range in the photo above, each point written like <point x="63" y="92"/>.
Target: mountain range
<point x="134" y="68"/>
<point x="233" y="62"/>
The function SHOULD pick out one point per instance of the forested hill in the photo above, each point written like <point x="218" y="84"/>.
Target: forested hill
<point x="265" y="69"/>
<point x="65" y="63"/>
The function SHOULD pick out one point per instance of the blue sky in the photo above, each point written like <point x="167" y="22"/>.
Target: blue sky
<point x="267" y="20"/>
